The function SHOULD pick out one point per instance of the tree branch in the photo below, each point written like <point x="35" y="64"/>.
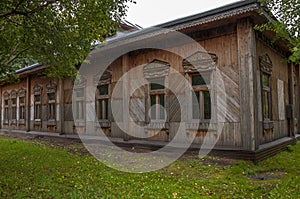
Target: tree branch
<point x="26" y="13"/>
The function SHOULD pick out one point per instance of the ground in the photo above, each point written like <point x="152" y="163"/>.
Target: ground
<point x="48" y="167"/>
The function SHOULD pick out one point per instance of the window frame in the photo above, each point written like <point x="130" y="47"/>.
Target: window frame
<point x="13" y="106"/>
<point x="37" y="105"/>
<point x="80" y="112"/>
<point x="51" y="103"/>
<point x="157" y="93"/>
<point x="6" y="116"/>
<point x="201" y="89"/>
<point x="266" y="67"/>
<point x="105" y="115"/>
<point x="22" y="105"/>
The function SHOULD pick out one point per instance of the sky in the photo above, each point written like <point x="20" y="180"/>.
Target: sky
<point x="148" y="13"/>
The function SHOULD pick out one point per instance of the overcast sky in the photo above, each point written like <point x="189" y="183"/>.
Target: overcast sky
<point x="152" y="12"/>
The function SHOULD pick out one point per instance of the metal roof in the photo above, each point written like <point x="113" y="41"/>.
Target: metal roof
<point x="132" y="35"/>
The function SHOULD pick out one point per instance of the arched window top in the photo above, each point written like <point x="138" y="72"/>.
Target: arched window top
<point x="200" y="61"/>
<point x="265" y="63"/>
<point x="37" y="89"/>
<point x="104" y="79"/>
<point x="21" y="92"/>
<point x="51" y="87"/>
<point x="6" y="95"/>
<point x="156" y="68"/>
<point x="13" y="94"/>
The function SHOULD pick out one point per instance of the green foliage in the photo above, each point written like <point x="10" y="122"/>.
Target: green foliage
<point x="287" y="25"/>
<point x="54" y="32"/>
<point x="31" y="170"/>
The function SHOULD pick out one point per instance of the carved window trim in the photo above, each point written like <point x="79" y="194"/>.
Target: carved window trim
<point x="200" y="62"/>
<point x="156" y="70"/>
<point x="266" y="68"/>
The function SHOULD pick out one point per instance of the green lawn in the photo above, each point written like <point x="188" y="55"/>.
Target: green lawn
<point x="33" y="170"/>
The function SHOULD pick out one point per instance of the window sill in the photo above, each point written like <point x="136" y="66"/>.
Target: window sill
<point x="103" y="123"/>
<point x="22" y="121"/>
<point x="51" y="123"/>
<point x="158" y="125"/>
<point x="201" y="125"/>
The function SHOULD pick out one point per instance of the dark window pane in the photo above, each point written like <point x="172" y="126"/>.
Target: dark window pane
<point x="51" y="96"/>
<point x="153" y="108"/>
<point x="196" y="106"/>
<point x="162" y="103"/>
<point x="200" y="80"/>
<point x="14" y="101"/>
<point x="14" y="113"/>
<point x="37" y="98"/>
<point x="79" y="93"/>
<point x="207" y="105"/>
<point x="37" y="110"/>
<point x="157" y="84"/>
<point x="6" y="102"/>
<point x="266" y="80"/>
<point x="22" y="112"/>
<point x="103" y="90"/>
<point x="102" y="109"/>
<point x="21" y="100"/>
<point x="79" y="110"/>
<point x="106" y="109"/>
<point x="266" y="104"/>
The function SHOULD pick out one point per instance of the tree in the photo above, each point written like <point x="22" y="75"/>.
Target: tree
<point x="287" y="25"/>
<point x="57" y="33"/>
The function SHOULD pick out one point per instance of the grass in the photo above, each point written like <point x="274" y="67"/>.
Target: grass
<point x="33" y="170"/>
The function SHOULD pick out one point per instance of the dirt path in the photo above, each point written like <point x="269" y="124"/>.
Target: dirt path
<point x="75" y="146"/>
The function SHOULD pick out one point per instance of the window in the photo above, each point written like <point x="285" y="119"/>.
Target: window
<point x="37" y="91"/>
<point x="79" y="103"/>
<point x="51" y="106"/>
<point x="157" y="99"/>
<point x="37" y="107"/>
<point x="202" y="100"/>
<point x="14" y="105"/>
<point x="266" y="88"/>
<point x="266" y="96"/>
<point x="14" y="108"/>
<point x="6" y="107"/>
<point x="102" y="102"/>
<point x="22" y="108"/>
<point x="22" y="94"/>
<point x="51" y="101"/>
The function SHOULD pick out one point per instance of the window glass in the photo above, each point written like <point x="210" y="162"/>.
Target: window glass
<point x="201" y="80"/>
<point x="51" y="96"/>
<point x="157" y="84"/>
<point x="266" y="80"/>
<point x="103" y="89"/>
<point x="207" y="105"/>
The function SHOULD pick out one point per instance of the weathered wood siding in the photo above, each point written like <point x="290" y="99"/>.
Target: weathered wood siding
<point x="280" y="72"/>
<point x="226" y="49"/>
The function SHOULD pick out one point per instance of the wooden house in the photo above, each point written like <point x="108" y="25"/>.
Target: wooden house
<point x="261" y="89"/>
